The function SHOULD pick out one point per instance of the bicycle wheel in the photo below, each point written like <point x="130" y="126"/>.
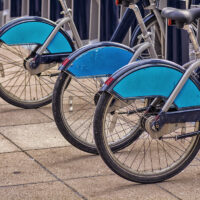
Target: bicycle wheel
<point x="17" y="86"/>
<point x="74" y="103"/>
<point x="158" y="41"/>
<point x="147" y="159"/>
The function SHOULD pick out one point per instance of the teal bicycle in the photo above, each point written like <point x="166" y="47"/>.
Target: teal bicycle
<point x="159" y="102"/>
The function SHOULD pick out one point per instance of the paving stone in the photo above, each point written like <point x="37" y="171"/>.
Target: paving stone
<point x="6" y="108"/>
<point x="44" y="191"/>
<point x="35" y="136"/>
<point x="196" y="160"/>
<point x="185" y="185"/>
<point x="22" y="178"/>
<point x="2" y="102"/>
<point x="18" y="168"/>
<point x="47" y="110"/>
<point x="6" y="145"/>
<point x="69" y="162"/>
<point x="11" y="115"/>
<point x="113" y="187"/>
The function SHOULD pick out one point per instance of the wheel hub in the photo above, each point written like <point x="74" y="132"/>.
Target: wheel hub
<point x="41" y="67"/>
<point x="26" y="63"/>
<point x="166" y="129"/>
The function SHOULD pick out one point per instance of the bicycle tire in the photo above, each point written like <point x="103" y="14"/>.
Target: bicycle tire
<point x="124" y="167"/>
<point x="17" y="86"/>
<point x="81" y="138"/>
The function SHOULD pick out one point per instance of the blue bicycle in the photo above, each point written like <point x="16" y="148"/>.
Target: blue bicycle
<point x="158" y="101"/>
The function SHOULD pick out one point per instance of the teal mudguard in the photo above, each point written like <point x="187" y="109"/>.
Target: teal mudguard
<point x="152" y="78"/>
<point x="35" y="30"/>
<point x="99" y="59"/>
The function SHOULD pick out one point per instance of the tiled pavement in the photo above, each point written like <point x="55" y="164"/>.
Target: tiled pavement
<point x="37" y="163"/>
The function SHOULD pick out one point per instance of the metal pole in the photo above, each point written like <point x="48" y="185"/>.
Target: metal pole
<point x="25" y="7"/>
<point x="94" y="27"/>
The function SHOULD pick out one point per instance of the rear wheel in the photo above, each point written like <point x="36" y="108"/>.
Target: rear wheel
<point x="17" y="85"/>
<point x="147" y="159"/>
<point x="74" y="103"/>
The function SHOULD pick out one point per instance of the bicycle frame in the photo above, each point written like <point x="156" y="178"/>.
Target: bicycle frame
<point x="188" y="108"/>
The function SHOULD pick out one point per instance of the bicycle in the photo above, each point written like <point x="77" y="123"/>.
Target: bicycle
<point x="32" y="48"/>
<point x="76" y="90"/>
<point x="163" y="110"/>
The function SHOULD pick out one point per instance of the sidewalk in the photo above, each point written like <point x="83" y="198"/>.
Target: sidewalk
<point x="37" y="163"/>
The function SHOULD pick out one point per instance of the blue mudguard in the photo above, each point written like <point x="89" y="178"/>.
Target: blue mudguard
<point x="35" y="30"/>
<point x="99" y="59"/>
<point x="151" y="78"/>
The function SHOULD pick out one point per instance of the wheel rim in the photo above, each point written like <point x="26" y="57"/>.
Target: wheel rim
<point x="147" y="157"/>
<point x="78" y="102"/>
<point x="17" y="83"/>
<point x="77" y="108"/>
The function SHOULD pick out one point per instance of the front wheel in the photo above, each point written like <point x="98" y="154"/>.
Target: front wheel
<point x="146" y="159"/>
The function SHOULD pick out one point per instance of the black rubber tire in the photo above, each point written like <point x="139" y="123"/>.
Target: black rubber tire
<point x="105" y="151"/>
<point x="65" y="131"/>
<point x="57" y="113"/>
<point x="23" y="104"/>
